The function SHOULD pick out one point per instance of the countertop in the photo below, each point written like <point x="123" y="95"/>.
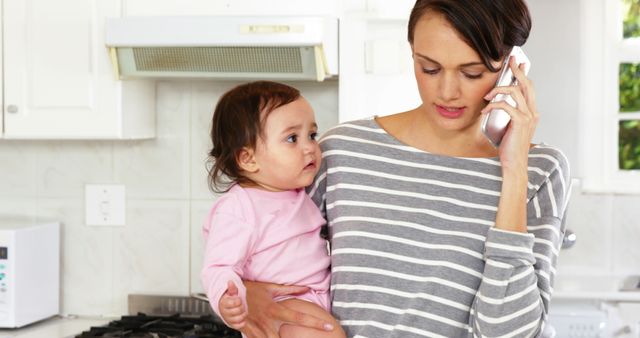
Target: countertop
<point x="603" y="287"/>
<point x="55" y="327"/>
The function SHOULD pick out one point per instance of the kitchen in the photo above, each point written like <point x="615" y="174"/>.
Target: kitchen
<point x="158" y="249"/>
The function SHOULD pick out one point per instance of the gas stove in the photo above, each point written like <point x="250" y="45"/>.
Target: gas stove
<point x="153" y="316"/>
<point x="174" y="326"/>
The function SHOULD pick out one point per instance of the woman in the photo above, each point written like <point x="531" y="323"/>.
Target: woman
<point x="434" y="232"/>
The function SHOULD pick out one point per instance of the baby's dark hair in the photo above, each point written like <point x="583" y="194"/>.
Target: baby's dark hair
<point x="237" y="123"/>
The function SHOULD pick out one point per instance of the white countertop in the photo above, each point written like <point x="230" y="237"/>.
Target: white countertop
<point x="55" y="327"/>
<point x="602" y="287"/>
<point x="633" y="297"/>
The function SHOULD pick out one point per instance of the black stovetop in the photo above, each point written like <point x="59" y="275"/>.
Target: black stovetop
<point x="175" y="326"/>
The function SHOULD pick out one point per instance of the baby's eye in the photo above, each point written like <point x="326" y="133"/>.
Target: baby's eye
<point x="313" y="136"/>
<point x="292" y="138"/>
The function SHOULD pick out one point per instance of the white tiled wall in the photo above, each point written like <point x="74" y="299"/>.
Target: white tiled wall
<point x="158" y="250"/>
<point x="626" y="234"/>
<point x="608" y="235"/>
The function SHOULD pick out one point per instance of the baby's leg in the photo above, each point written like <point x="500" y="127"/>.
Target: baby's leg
<point x="294" y="331"/>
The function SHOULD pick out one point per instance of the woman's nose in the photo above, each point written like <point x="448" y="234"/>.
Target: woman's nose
<point x="449" y="88"/>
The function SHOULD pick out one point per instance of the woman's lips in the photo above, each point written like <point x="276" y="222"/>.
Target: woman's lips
<point x="450" y="112"/>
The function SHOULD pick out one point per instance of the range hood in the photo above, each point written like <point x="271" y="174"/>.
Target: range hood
<point x="230" y="47"/>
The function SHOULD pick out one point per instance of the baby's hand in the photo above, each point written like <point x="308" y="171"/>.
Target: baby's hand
<point x="231" y="308"/>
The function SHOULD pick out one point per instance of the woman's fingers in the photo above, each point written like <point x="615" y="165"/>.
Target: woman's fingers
<point x="516" y="115"/>
<point x="528" y="91"/>
<point x="256" y="329"/>
<point x="294" y="317"/>
<point x="252" y="330"/>
<point x="525" y="85"/>
<point x="285" y="290"/>
<point x="518" y="71"/>
<point x="522" y="93"/>
<point x="522" y="105"/>
<point x="265" y="314"/>
<point x="290" y="316"/>
<point x="269" y="331"/>
<point x="515" y="95"/>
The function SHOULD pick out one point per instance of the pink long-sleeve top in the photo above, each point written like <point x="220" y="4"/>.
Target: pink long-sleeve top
<point x="258" y="235"/>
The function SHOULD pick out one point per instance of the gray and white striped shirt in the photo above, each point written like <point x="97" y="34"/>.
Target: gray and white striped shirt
<point x="414" y="252"/>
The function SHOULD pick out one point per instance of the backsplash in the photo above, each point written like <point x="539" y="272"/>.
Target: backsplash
<point x="158" y="250"/>
<point x="608" y="230"/>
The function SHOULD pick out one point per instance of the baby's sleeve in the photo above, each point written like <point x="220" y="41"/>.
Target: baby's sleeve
<point x="229" y="242"/>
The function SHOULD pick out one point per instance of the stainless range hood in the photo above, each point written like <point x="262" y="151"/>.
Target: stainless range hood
<point x="230" y="47"/>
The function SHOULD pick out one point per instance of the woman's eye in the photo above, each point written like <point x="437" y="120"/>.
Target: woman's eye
<point x="313" y="136"/>
<point x="292" y="138"/>
<point x="473" y="76"/>
<point x="430" y="71"/>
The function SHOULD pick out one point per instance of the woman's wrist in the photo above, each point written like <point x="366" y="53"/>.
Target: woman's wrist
<point x="515" y="170"/>
<point x="511" y="213"/>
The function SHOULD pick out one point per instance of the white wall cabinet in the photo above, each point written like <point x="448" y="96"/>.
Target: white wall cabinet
<point x="376" y="67"/>
<point x="1" y="68"/>
<point x="231" y="7"/>
<point x="58" y="79"/>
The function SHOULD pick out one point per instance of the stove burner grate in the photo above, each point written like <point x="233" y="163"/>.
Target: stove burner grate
<point x="174" y="326"/>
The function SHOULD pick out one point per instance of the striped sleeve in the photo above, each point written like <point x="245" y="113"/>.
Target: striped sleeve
<point x="517" y="282"/>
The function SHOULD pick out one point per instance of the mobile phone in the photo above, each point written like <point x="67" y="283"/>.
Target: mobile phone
<point x="495" y="122"/>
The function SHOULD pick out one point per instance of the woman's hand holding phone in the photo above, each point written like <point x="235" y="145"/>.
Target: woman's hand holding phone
<point x="514" y="148"/>
<point x="522" y="115"/>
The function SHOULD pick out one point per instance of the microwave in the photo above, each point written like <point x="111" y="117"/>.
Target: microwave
<point x="29" y="271"/>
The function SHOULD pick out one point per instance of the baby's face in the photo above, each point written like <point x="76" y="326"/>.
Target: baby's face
<point x="288" y="154"/>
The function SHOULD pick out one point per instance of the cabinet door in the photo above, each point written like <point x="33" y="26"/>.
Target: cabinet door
<point x="1" y="75"/>
<point x="225" y="7"/>
<point x="57" y="80"/>
<point x="376" y="68"/>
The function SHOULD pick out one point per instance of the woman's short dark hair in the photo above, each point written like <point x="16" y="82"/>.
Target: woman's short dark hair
<point x="490" y="27"/>
<point x="237" y="123"/>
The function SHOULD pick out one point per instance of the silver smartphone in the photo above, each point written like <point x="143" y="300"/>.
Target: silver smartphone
<point x="495" y="122"/>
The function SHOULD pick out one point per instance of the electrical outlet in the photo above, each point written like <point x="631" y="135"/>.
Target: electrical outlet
<point x="105" y="204"/>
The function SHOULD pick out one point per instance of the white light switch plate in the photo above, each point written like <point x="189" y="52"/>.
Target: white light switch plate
<point x="105" y="204"/>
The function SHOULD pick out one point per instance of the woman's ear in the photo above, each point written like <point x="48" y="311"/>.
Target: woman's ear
<point x="247" y="160"/>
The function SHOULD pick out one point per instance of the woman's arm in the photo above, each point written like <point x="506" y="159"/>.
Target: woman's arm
<point x="521" y="250"/>
<point x="514" y="150"/>
<point x="514" y="295"/>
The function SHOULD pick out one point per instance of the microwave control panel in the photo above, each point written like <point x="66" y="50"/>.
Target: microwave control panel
<point x="4" y="274"/>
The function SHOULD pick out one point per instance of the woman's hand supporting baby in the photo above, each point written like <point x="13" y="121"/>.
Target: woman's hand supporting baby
<point x="265" y="316"/>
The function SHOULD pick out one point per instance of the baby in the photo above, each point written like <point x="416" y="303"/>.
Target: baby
<point x="264" y="227"/>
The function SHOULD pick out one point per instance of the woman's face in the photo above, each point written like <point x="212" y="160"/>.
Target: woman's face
<point x="452" y="80"/>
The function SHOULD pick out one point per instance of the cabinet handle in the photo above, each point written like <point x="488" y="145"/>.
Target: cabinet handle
<point x="12" y="108"/>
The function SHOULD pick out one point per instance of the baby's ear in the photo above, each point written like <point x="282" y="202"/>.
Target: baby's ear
<point x="247" y="160"/>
